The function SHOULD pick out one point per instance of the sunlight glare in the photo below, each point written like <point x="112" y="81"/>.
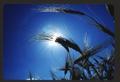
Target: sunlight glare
<point x="52" y="43"/>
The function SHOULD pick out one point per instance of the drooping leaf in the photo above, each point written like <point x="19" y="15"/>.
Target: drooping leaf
<point x="98" y="25"/>
<point x="68" y="44"/>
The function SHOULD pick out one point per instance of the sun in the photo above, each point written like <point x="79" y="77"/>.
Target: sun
<point x="50" y="34"/>
<point x="55" y="35"/>
<point x="52" y="42"/>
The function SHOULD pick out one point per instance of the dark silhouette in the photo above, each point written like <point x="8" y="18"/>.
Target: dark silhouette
<point x="98" y="25"/>
<point x="92" y="51"/>
<point x="30" y="76"/>
<point x="68" y="44"/>
<point x="110" y="9"/>
<point x="70" y="11"/>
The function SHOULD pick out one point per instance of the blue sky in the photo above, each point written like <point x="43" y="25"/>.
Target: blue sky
<point x="22" y="54"/>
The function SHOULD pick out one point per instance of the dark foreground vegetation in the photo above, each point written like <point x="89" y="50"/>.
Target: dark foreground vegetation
<point x="85" y="67"/>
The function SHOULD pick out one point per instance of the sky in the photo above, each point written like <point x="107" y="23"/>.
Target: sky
<point x="23" y="54"/>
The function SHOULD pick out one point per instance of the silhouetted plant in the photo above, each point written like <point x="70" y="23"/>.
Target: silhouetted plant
<point x="82" y="68"/>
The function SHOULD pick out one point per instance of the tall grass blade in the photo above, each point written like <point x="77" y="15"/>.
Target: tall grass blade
<point x="98" y="25"/>
<point x="54" y="77"/>
<point x="93" y="51"/>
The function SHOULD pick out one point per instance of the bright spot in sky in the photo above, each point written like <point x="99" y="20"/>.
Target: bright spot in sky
<point x="52" y="43"/>
<point x="55" y="31"/>
<point x="32" y="79"/>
